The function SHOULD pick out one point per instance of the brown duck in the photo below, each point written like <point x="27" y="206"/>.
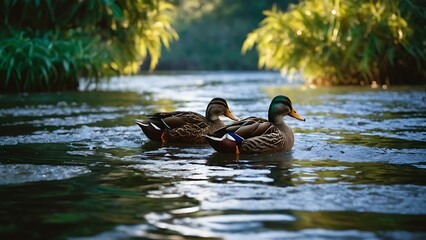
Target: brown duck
<point x="186" y="127"/>
<point x="256" y="135"/>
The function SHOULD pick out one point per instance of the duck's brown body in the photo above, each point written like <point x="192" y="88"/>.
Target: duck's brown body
<point x="257" y="135"/>
<point x="185" y="127"/>
<point x="178" y="127"/>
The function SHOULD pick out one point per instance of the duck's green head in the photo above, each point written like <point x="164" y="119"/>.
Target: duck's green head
<point x="281" y="106"/>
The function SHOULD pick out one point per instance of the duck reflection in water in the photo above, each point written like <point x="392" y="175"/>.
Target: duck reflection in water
<point x="279" y="164"/>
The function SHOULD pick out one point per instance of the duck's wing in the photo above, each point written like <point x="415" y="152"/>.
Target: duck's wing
<point x="172" y="120"/>
<point x="246" y="128"/>
<point x="230" y="138"/>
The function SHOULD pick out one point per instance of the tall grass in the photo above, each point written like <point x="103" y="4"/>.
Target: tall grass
<point x="48" y="45"/>
<point x="345" y="42"/>
<point x="46" y="62"/>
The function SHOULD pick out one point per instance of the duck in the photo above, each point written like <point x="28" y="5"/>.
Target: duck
<point x="258" y="135"/>
<point x="185" y="126"/>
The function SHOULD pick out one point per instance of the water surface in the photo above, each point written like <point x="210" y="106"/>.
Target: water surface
<point x="74" y="165"/>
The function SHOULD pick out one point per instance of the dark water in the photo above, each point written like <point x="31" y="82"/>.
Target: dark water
<point x="74" y="165"/>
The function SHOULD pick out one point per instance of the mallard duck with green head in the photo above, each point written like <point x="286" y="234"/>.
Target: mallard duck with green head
<point x="186" y="127"/>
<point x="257" y="135"/>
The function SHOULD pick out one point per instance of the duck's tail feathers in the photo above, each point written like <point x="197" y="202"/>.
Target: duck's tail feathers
<point x="141" y="123"/>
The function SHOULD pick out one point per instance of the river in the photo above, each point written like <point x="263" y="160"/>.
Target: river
<point x="74" y="165"/>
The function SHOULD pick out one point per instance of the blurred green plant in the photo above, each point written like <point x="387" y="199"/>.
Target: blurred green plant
<point x="345" y="42"/>
<point x="211" y="33"/>
<point x="51" y="44"/>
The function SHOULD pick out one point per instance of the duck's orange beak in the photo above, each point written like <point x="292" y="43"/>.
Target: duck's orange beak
<point x="294" y="114"/>
<point x="229" y="114"/>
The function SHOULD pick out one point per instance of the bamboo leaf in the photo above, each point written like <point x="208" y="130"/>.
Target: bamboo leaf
<point x="390" y="55"/>
<point x="66" y="66"/>
<point x="9" y="71"/>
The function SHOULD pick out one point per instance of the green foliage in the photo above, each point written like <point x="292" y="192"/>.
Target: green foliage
<point x="345" y="42"/>
<point x="49" y="45"/>
<point x="211" y="34"/>
<point x="46" y="63"/>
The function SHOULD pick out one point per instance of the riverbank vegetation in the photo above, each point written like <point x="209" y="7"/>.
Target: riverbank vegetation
<point x="51" y="44"/>
<point x="345" y="42"/>
<point x="211" y="33"/>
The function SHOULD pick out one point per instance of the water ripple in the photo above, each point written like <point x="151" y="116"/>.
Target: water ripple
<point x="396" y="199"/>
<point x="23" y="173"/>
